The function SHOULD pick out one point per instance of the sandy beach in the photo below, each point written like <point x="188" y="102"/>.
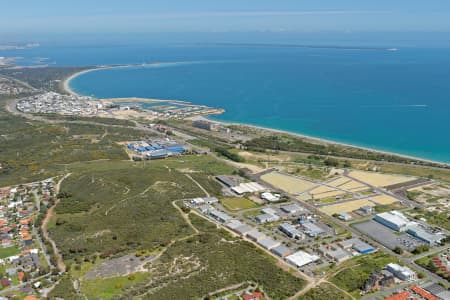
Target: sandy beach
<point x="319" y="140"/>
<point x="66" y="82"/>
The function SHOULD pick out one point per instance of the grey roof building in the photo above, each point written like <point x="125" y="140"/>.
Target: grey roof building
<point x="229" y="181"/>
<point x="291" y="231"/>
<point x="220" y="216"/>
<point x="243" y="229"/>
<point x="292" y="208"/>
<point x="312" y="229"/>
<point x="255" y="235"/>
<point x="281" y="251"/>
<point x="266" y="218"/>
<point x="233" y="224"/>
<point x="269" y="243"/>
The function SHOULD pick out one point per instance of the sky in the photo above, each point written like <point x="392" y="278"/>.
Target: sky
<point x="147" y="16"/>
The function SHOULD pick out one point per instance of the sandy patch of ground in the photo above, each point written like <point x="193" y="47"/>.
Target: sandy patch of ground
<point x="384" y="199"/>
<point x="288" y="183"/>
<point x="348" y="206"/>
<point x="334" y="193"/>
<point x="338" y="181"/>
<point x="352" y="185"/>
<point x="379" y="179"/>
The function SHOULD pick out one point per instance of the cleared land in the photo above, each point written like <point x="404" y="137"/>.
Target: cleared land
<point x="287" y="183"/>
<point x="348" y="206"/>
<point x="384" y="199"/>
<point x="237" y="203"/>
<point x="353" y="185"/>
<point x="331" y="193"/>
<point x="378" y="179"/>
<point x="338" y="182"/>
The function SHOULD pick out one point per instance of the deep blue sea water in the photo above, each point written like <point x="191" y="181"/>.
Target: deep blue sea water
<point x="395" y="101"/>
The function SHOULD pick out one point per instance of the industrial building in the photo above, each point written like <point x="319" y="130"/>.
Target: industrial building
<point x="335" y="253"/>
<point x="266" y="218"/>
<point x="206" y="200"/>
<point x="256" y="236"/>
<point x="270" y="197"/>
<point x="394" y="220"/>
<point x="301" y="258"/>
<point x="243" y="229"/>
<point x="219" y="216"/>
<point x="269" y="210"/>
<point x="312" y="230"/>
<point x="249" y="187"/>
<point x="205" y="208"/>
<point x="234" y="224"/>
<point x="281" y="251"/>
<point x="366" y="210"/>
<point x="402" y="273"/>
<point x="206" y="125"/>
<point x="157" y="148"/>
<point x="424" y="235"/>
<point x="269" y="243"/>
<point x="229" y="181"/>
<point x="345" y="216"/>
<point x="357" y="245"/>
<point x="291" y="231"/>
<point x="292" y="209"/>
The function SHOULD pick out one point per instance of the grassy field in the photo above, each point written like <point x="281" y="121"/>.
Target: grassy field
<point x="351" y="275"/>
<point x="7" y="252"/>
<point x="109" y="287"/>
<point x="237" y="203"/>
<point x="325" y="291"/>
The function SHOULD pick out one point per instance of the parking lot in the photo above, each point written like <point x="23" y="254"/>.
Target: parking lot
<point x="388" y="237"/>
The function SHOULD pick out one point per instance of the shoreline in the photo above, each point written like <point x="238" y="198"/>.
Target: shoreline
<point x="66" y="87"/>
<point x="324" y="140"/>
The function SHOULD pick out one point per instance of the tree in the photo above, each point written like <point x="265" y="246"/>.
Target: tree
<point x="398" y="250"/>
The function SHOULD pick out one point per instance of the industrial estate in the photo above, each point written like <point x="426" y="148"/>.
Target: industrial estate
<point x="164" y="204"/>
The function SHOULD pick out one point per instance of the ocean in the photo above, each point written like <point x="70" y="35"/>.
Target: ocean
<point x="397" y="101"/>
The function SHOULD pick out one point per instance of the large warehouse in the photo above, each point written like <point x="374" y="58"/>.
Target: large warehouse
<point x="394" y="220"/>
<point x="301" y="258"/>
